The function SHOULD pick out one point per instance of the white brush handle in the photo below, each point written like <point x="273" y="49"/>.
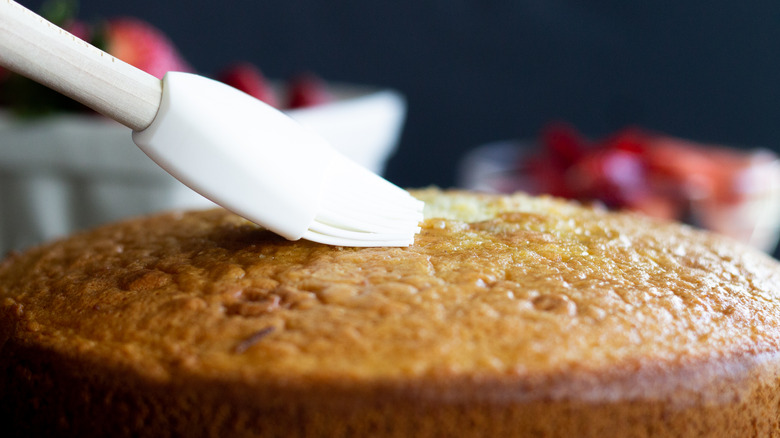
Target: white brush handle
<point x="41" y="51"/>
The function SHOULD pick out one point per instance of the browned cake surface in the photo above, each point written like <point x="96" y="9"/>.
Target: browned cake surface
<point x="509" y="315"/>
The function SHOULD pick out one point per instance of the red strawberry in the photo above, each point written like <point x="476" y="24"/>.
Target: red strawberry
<point x="611" y="175"/>
<point x="564" y="144"/>
<point x="142" y="45"/>
<point x="79" y="29"/>
<point x="249" y="79"/>
<point x="658" y="206"/>
<point x="547" y="177"/>
<point x="308" y="90"/>
<point x="632" y="140"/>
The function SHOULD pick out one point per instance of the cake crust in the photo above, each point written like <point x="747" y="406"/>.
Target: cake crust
<point x="518" y="315"/>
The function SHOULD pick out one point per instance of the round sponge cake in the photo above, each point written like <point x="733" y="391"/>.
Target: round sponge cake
<point x="509" y="316"/>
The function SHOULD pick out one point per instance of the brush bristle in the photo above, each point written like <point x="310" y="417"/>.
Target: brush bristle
<point x="360" y="208"/>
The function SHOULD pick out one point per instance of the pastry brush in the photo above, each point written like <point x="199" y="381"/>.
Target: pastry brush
<point x="235" y="150"/>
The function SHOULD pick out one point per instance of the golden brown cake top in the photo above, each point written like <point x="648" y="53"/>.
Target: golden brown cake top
<point x="495" y="288"/>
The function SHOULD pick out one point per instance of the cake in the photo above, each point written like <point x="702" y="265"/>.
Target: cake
<point x="510" y="315"/>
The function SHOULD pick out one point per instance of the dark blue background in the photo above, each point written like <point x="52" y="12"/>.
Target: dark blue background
<point x="479" y="71"/>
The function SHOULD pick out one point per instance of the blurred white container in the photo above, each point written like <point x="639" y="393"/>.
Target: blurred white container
<point x="69" y="172"/>
<point x="497" y="168"/>
<point x="500" y="167"/>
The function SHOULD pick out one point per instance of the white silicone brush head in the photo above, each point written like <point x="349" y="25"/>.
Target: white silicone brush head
<point x="257" y="162"/>
<point x="359" y="208"/>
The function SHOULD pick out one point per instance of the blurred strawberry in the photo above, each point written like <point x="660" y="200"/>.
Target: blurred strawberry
<point x="611" y="175"/>
<point x="683" y="168"/>
<point x="546" y="177"/>
<point x="142" y="45"/>
<point x="563" y="143"/>
<point x="248" y="78"/>
<point x="308" y="90"/>
<point x="632" y="140"/>
<point x="658" y="206"/>
<point x="79" y="29"/>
